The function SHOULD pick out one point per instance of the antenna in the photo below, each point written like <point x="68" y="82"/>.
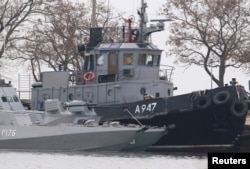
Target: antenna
<point x="144" y="30"/>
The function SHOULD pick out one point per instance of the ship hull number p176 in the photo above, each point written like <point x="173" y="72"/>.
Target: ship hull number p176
<point x="8" y="133"/>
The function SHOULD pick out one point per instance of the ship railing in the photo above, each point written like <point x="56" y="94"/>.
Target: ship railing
<point x="166" y="72"/>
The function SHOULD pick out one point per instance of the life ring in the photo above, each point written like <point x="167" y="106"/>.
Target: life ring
<point x="202" y="102"/>
<point x="221" y="98"/>
<point x="88" y="76"/>
<point x="239" y="108"/>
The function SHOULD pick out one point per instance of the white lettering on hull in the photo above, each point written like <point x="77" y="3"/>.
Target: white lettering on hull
<point x="145" y="107"/>
<point x="8" y="133"/>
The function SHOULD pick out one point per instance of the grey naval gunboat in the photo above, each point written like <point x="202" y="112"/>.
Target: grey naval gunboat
<point x="126" y="74"/>
<point x="75" y="128"/>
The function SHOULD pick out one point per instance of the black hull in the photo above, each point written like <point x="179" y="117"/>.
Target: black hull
<point x="211" y="117"/>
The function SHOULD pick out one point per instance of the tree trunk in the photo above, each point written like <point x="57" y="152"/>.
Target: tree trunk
<point x="222" y="70"/>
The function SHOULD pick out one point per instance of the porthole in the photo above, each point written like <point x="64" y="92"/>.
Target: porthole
<point x="110" y="92"/>
<point x="143" y="91"/>
<point x="71" y="96"/>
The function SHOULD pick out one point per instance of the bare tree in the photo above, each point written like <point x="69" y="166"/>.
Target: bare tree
<point x="210" y="33"/>
<point x="56" y="32"/>
<point x="12" y="15"/>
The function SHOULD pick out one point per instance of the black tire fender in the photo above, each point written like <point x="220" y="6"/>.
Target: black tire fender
<point x="239" y="108"/>
<point x="248" y="104"/>
<point x="221" y="98"/>
<point x="202" y="102"/>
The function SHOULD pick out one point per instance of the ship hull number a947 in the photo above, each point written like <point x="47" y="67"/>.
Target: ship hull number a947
<point x="145" y="108"/>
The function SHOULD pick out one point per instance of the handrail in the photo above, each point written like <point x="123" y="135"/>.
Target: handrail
<point x="166" y="72"/>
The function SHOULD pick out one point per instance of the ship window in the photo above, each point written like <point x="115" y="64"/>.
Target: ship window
<point x="100" y="60"/>
<point x="142" y="59"/>
<point x="157" y="60"/>
<point x="149" y="60"/>
<point x="15" y="99"/>
<point x="9" y="99"/>
<point x="128" y="59"/>
<point x="146" y="59"/>
<point x="4" y="99"/>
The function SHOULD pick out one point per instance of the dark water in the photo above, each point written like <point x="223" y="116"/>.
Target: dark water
<point x="106" y="160"/>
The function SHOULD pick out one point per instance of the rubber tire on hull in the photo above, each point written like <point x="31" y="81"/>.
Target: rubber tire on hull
<point x="202" y="102"/>
<point x="239" y="108"/>
<point x="221" y="98"/>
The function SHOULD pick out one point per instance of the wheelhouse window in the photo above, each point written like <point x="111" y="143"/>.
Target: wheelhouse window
<point x="157" y="60"/>
<point x="15" y="98"/>
<point x="148" y="59"/>
<point x="128" y="59"/>
<point x="7" y="99"/>
<point x="145" y="59"/>
<point x="100" y="60"/>
<point x="4" y="98"/>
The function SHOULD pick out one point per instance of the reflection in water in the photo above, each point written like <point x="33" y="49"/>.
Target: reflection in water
<point x="96" y="160"/>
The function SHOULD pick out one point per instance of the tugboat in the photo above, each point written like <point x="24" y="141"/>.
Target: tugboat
<point x="71" y="127"/>
<point x="124" y="79"/>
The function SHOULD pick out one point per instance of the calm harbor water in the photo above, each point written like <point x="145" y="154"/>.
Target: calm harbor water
<point x="105" y="160"/>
